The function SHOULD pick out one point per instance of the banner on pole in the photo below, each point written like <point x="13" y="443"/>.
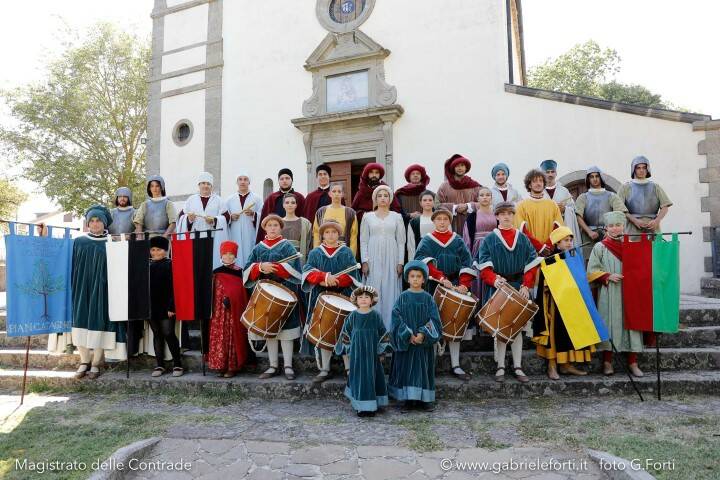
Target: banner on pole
<point x="39" y="296"/>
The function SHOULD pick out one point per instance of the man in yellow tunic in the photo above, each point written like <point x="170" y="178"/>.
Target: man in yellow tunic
<point x="339" y="213"/>
<point x="537" y="216"/>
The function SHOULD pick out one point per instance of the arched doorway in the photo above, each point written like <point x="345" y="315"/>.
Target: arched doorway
<point x="267" y="187"/>
<point x="575" y="182"/>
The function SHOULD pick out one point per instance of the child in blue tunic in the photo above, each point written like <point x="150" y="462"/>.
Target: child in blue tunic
<point x="415" y="329"/>
<point x="364" y="338"/>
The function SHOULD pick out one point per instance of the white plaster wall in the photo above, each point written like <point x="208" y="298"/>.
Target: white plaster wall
<point x="181" y="81"/>
<point x="186" y="27"/>
<point x="173" y="3"/>
<point x="180" y="166"/>
<point x="264" y="87"/>
<point x="449" y="66"/>
<point x="184" y="59"/>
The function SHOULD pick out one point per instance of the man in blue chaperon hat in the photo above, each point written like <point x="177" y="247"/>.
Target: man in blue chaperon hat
<point x="92" y="331"/>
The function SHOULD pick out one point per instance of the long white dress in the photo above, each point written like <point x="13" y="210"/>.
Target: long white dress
<point x="382" y="246"/>
<point x="244" y="230"/>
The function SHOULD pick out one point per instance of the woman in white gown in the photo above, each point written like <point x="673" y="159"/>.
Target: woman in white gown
<point x="382" y="251"/>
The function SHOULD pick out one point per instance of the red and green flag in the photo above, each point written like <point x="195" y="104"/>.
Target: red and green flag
<point x="651" y="284"/>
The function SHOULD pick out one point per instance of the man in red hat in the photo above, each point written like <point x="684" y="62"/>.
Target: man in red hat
<point x="458" y="193"/>
<point x="370" y="179"/>
<point x="228" y="337"/>
<point x="409" y="195"/>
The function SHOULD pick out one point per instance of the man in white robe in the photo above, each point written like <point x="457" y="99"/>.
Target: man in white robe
<point x="561" y="195"/>
<point x="205" y="211"/>
<point x="244" y="208"/>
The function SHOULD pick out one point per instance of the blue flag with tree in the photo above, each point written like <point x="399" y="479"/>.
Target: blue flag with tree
<point x="39" y="299"/>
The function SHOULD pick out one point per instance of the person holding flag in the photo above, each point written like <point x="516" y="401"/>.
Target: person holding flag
<point x="605" y="267"/>
<point x="92" y="331"/>
<point x="551" y="336"/>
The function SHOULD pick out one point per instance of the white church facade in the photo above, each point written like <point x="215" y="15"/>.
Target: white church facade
<point x="249" y="86"/>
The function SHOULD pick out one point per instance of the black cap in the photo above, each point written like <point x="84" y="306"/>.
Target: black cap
<point x="285" y="171"/>
<point x="160" y="242"/>
<point x="323" y="167"/>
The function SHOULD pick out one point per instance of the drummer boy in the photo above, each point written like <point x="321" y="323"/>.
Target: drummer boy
<point x="450" y="264"/>
<point x="321" y="274"/>
<point x="507" y="256"/>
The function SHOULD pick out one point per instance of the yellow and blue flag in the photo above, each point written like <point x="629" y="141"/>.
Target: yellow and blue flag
<point x="566" y="277"/>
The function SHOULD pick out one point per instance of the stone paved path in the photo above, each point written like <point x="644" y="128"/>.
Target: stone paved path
<point x="231" y="459"/>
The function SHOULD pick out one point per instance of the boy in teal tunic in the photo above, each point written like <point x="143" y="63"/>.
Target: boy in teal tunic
<point x="92" y="330"/>
<point x="320" y="275"/>
<point x="363" y="339"/>
<point x="507" y="255"/>
<point x="415" y="329"/>
<point x="264" y="263"/>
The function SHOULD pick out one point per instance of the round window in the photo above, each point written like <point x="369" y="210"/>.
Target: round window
<point x="346" y="11"/>
<point x="182" y="133"/>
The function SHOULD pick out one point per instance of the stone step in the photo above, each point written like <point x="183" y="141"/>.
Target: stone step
<point x="707" y="336"/>
<point x="695" y="359"/>
<point x="36" y="341"/>
<point x="699" y="317"/>
<point x="478" y="388"/>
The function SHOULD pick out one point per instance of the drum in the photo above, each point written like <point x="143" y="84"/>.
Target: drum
<point x="269" y="308"/>
<point x="455" y="311"/>
<point x="506" y="313"/>
<point x="329" y="314"/>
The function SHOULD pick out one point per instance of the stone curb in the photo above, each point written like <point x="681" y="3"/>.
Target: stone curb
<point x="122" y="456"/>
<point x="617" y="468"/>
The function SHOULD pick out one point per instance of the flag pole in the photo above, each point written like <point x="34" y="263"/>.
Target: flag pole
<point x="657" y="363"/>
<point x="128" y="344"/>
<point x="27" y="356"/>
<point x="202" y="346"/>
<point x="2" y="220"/>
<point x="632" y="381"/>
<point x="655" y="233"/>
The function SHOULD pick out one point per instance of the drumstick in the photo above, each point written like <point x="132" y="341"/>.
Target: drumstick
<point x="291" y="257"/>
<point x="357" y="266"/>
<point x="454" y="288"/>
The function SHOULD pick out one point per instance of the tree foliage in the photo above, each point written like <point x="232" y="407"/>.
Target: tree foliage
<point x="588" y="70"/>
<point x="10" y="198"/>
<point x="79" y="133"/>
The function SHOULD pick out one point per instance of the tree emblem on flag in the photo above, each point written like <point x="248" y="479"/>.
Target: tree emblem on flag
<point x="43" y="284"/>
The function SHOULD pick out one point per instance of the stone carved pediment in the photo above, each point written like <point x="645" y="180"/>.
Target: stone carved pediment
<point x="338" y="48"/>
<point x="352" y="109"/>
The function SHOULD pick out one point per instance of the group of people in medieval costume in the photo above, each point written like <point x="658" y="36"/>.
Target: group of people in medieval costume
<point x="466" y="237"/>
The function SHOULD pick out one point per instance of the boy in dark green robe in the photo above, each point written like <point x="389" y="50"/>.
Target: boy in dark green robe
<point x="415" y="329"/>
<point x="363" y="339"/>
<point x="92" y="330"/>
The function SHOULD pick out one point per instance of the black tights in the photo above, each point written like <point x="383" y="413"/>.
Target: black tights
<point x="164" y="331"/>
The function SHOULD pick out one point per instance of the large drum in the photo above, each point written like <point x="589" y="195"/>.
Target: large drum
<point x="506" y="313"/>
<point x="269" y="308"/>
<point x="455" y="311"/>
<point x="328" y="318"/>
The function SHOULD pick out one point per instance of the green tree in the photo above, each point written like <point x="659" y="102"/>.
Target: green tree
<point x="10" y="198"/>
<point x="587" y="69"/>
<point x="79" y="133"/>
